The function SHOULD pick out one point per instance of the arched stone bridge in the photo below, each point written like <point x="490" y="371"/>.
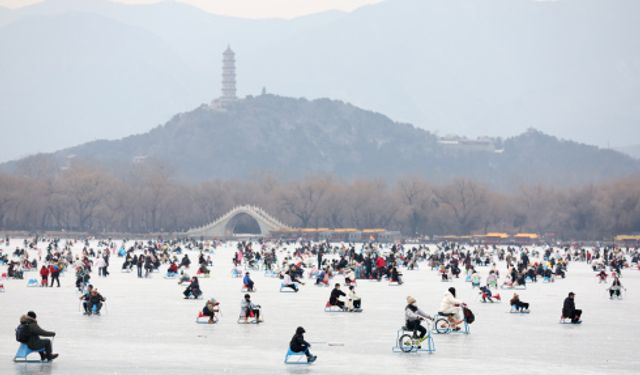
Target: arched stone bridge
<point x="225" y="225"/>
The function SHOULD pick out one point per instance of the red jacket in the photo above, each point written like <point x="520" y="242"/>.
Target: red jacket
<point x="44" y="271"/>
<point x="380" y="263"/>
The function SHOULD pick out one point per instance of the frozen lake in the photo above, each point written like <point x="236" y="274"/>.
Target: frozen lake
<point x="149" y="329"/>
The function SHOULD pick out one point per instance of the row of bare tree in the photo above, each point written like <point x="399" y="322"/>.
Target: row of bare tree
<point x="87" y="199"/>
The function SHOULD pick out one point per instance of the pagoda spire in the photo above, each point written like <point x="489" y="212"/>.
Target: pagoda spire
<point x="228" y="75"/>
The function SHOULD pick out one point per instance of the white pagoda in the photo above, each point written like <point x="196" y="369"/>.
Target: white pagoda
<point x="228" y="79"/>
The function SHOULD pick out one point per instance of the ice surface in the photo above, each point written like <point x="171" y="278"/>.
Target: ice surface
<point x="148" y="328"/>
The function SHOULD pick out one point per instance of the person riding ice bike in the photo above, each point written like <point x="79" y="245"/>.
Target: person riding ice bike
<point x="450" y="307"/>
<point x="413" y="316"/>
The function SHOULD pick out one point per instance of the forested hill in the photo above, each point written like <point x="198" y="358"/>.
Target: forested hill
<point x="291" y="138"/>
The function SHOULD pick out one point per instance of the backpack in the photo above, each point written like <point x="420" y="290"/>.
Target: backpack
<point x="468" y="315"/>
<point x="22" y="333"/>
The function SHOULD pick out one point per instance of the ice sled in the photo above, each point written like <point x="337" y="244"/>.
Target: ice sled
<point x="296" y="358"/>
<point x="565" y="320"/>
<point x="242" y="319"/>
<point x="286" y="289"/>
<point x="23" y="352"/>
<point x="191" y="296"/>
<point x="245" y="289"/>
<point x="516" y="311"/>
<point x="32" y="282"/>
<point x="496" y="298"/>
<point x="203" y="319"/>
<point x="203" y="275"/>
<point x="328" y="307"/>
<point x="334" y="308"/>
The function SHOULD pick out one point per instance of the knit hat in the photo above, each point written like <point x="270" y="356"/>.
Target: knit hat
<point x="411" y="300"/>
<point x="31" y="314"/>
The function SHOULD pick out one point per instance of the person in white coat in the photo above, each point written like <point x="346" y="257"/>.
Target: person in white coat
<point x="353" y="300"/>
<point x="289" y="282"/>
<point x="349" y="277"/>
<point x="101" y="264"/>
<point x="450" y="307"/>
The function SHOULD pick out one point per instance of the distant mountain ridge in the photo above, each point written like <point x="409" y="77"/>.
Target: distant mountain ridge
<point x="292" y="138"/>
<point x="633" y="151"/>
<point x="92" y="69"/>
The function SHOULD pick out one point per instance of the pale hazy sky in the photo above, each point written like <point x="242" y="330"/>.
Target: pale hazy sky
<point x="248" y="8"/>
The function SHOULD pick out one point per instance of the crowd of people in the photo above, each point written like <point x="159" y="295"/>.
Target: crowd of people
<point x="321" y="262"/>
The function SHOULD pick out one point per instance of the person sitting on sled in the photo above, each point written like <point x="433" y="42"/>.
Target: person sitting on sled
<point x="517" y="304"/>
<point x="492" y="279"/>
<point x="569" y="310"/>
<point x="247" y="282"/>
<point x="322" y="277"/>
<point x="210" y="309"/>
<point x="193" y="290"/>
<point x="299" y="345"/>
<point x="487" y="295"/>
<point x="394" y="274"/>
<point x="334" y="298"/>
<point x="353" y="300"/>
<point x="92" y="298"/>
<point x="616" y="286"/>
<point x="247" y="308"/>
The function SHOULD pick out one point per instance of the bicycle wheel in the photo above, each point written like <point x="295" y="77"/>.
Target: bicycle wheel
<point x="442" y="325"/>
<point x="405" y="343"/>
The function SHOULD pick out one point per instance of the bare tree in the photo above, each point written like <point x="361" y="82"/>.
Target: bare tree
<point x="465" y="200"/>
<point x="303" y="199"/>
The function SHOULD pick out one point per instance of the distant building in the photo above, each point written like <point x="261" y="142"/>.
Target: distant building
<point x="228" y="79"/>
<point x="462" y="144"/>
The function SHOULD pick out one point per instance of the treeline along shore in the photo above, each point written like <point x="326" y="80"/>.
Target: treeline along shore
<point x="147" y="199"/>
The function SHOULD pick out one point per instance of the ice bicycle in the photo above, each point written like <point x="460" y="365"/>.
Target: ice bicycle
<point x="442" y="325"/>
<point x="407" y="341"/>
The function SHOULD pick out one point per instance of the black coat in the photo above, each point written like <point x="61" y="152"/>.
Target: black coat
<point x="335" y="295"/>
<point x="298" y="344"/>
<point x="95" y="299"/>
<point x="34" y="331"/>
<point x="569" y="307"/>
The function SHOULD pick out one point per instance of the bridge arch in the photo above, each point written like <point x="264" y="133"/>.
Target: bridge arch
<point x="226" y="225"/>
